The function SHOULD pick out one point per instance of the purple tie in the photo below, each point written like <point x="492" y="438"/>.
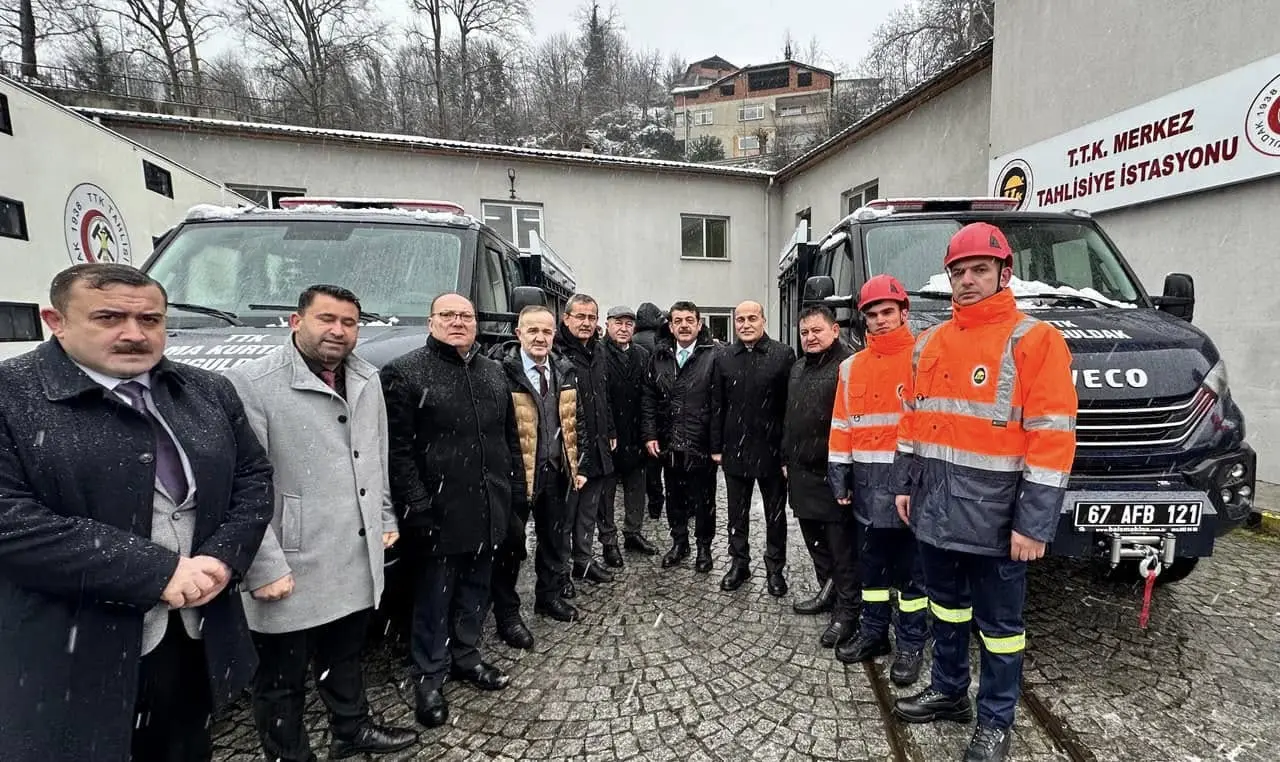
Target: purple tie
<point x="168" y="462"/>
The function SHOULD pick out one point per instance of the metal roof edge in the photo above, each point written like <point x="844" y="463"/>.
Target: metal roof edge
<point x="440" y="145"/>
<point x="958" y="71"/>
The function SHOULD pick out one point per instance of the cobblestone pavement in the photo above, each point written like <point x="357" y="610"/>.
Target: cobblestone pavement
<point x="665" y="666"/>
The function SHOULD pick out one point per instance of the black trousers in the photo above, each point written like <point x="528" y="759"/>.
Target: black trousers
<point x="448" y="615"/>
<point x="632" y="482"/>
<point x="332" y="653"/>
<point x="691" y="490"/>
<point x="833" y="546"/>
<point x="774" y="491"/>
<point x="552" y="526"/>
<point x="174" y="704"/>
<point x="653" y="485"/>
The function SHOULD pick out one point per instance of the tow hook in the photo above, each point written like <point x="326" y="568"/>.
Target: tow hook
<point x="1153" y="562"/>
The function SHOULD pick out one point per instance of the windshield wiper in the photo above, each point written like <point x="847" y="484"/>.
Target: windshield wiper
<point x="368" y="317"/>
<point x="931" y="294"/>
<point x="200" y="309"/>
<point x="1070" y="298"/>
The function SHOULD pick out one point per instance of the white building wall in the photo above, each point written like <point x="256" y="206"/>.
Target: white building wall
<point x="939" y="149"/>
<point x="619" y="228"/>
<point x="1061" y="65"/>
<point x="50" y="153"/>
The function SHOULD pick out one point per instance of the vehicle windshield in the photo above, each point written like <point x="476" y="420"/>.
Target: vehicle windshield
<point x="255" y="269"/>
<point x="1060" y="263"/>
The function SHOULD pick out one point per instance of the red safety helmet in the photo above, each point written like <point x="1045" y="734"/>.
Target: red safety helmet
<point x="883" y="288"/>
<point x="978" y="239"/>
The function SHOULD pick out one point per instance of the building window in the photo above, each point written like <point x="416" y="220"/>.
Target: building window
<point x="769" y="79"/>
<point x="679" y="120"/>
<point x="748" y="142"/>
<point x="719" y="324"/>
<point x="749" y="113"/>
<point x="704" y="237"/>
<point x="514" y="223"/>
<point x="861" y="196"/>
<point x="157" y="178"/>
<point x="702" y="117"/>
<point x="13" y="219"/>
<point x="266" y="196"/>
<point x="791" y="111"/>
<point x="804" y="79"/>
<point x="726" y="89"/>
<point x="6" y="121"/>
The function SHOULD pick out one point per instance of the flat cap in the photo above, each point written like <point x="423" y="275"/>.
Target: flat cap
<point x="621" y="312"/>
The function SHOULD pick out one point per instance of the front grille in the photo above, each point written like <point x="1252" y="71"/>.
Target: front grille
<point x="1145" y="423"/>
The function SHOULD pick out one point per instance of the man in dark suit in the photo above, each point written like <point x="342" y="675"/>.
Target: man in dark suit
<point x="133" y="496"/>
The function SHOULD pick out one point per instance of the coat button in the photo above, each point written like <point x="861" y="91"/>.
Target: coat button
<point x="146" y="457"/>
<point x="362" y="533"/>
<point x="362" y="492"/>
<point x="342" y="419"/>
<point x="355" y="453"/>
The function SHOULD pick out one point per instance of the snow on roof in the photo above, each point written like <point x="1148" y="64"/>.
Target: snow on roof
<point x="417" y="141"/>
<point x="208" y="212"/>
<point x="1027" y="290"/>
<point x="689" y="89"/>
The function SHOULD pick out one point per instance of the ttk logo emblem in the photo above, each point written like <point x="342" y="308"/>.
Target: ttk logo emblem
<point x="95" y="230"/>
<point x="979" y="375"/>
<point x="1015" y="182"/>
<point x="1262" y="124"/>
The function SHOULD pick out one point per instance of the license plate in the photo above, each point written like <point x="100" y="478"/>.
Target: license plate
<point x="1184" y="515"/>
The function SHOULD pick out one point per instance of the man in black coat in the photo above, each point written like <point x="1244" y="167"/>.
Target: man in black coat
<point x="578" y="340"/>
<point x="454" y="463"/>
<point x="133" y="497"/>
<point x="748" y="401"/>
<point x="627" y="364"/>
<point x="649" y="320"/>
<point x="829" y="529"/>
<point x="676" y="426"/>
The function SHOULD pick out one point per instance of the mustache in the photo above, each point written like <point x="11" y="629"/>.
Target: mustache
<point x="131" y="348"/>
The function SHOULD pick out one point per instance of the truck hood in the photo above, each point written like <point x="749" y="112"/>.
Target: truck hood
<point x="1124" y="354"/>
<point x="217" y="349"/>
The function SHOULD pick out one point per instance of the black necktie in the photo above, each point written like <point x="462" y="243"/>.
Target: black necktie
<point x="168" y="462"/>
<point x="542" y="379"/>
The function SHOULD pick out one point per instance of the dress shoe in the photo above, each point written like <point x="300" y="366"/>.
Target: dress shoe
<point x="556" y="609"/>
<point x="777" y="584"/>
<point x="432" y="710"/>
<point x="372" y="739"/>
<point x="930" y="705"/>
<point x="592" y="573"/>
<point x="639" y="544"/>
<point x="514" y="633"/>
<point x="568" y="591"/>
<point x="703" y="563"/>
<point x="824" y="601"/>
<point x="837" y="632"/>
<point x="678" y="553"/>
<point x="484" y="676"/>
<point x="906" y="667"/>
<point x="988" y="745"/>
<point x="863" y="648"/>
<point x="613" y="556"/>
<point x="734" y="578"/>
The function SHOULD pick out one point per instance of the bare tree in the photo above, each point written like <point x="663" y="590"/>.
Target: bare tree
<point x="27" y="23"/>
<point x="919" y="40"/>
<point x="309" y="43"/>
<point x="173" y="30"/>
<point x="475" y="18"/>
<point x="434" y="10"/>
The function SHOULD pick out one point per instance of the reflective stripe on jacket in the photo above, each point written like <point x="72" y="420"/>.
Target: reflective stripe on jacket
<point x="987" y="437"/>
<point x="864" y="426"/>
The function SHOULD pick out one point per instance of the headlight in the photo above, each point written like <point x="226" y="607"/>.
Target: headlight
<point x="1216" y="379"/>
<point x="1237" y="471"/>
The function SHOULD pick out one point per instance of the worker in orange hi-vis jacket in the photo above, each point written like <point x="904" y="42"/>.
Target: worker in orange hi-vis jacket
<point x="985" y="448"/>
<point x="860" y="454"/>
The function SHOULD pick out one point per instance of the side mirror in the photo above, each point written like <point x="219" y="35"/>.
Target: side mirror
<point x="20" y="321"/>
<point x="818" y="289"/>
<point x="1179" y="298"/>
<point x="527" y="296"/>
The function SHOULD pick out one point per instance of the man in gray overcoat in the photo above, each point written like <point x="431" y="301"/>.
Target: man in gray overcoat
<point x="319" y="412"/>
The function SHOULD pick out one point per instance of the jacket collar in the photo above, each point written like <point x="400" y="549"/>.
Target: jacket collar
<point x="997" y="308"/>
<point x="304" y="377"/>
<point x="62" y="379"/>
<point x="761" y="344"/>
<point x="893" y="342"/>
<point x="570" y="344"/>
<point x="819" y="359"/>
<point x="666" y="340"/>
<point x="449" y="353"/>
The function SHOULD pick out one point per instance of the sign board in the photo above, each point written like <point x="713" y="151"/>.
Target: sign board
<point x="1221" y="131"/>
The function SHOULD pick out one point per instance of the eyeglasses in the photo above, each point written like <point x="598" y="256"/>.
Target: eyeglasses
<point x="449" y="316"/>
<point x="584" y="316"/>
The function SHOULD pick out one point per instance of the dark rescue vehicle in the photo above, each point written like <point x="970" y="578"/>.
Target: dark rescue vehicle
<point x="1162" y="467"/>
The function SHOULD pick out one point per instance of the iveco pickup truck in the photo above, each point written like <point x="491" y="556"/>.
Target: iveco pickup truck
<point x="1162" y="467"/>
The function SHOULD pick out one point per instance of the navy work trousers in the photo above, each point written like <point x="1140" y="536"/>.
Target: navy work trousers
<point x="890" y="561"/>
